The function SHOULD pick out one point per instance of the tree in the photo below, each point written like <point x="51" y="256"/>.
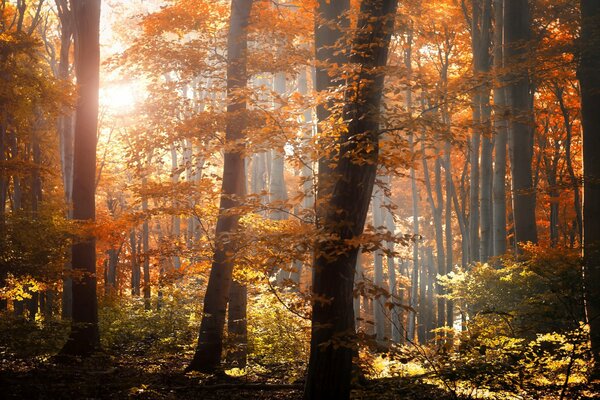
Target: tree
<point x="84" y="337"/>
<point x="590" y="104"/>
<point x="210" y="341"/>
<point x="352" y="179"/>
<point x="500" y="126"/>
<point x="517" y="33"/>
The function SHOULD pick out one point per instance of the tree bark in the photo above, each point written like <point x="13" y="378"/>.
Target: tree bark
<point x="210" y="341"/>
<point x="590" y="106"/>
<point x="378" y="300"/>
<point x="517" y="33"/>
<point x="332" y="344"/>
<point x="84" y="337"/>
<point x="500" y="139"/>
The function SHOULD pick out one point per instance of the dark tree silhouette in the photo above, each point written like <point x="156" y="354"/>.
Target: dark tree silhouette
<point x="84" y="338"/>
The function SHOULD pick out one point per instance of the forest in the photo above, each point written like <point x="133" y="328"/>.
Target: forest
<point x="300" y="199"/>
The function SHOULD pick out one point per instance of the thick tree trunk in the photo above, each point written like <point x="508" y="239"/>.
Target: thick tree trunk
<point x="332" y="344"/>
<point x="517" y="32"/>
<point x="210" y="341"/>
<point x="500" y="138"/>
<point x="66" y="136"/>
<point x="84" y="337"/>
<point x="590" y="106"/>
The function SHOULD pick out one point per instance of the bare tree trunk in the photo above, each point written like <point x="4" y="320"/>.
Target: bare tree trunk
<point x="569" y="161"/>
<point x="480" y="187"/>
<point x="237" y="325"/>
<point x="357" y="280"/>
<point x="210" y="342"/>
<point x="437" y="211"/>
<point x="146" y="244"/>
<point x="84" y="337"/>
<point x="448" y="228"/>
<point x="330" y="363"/>
<point x="395" y="311"/>
<point x="379" y="300"/>
<point x="590" y="104"/>
<point x="500" y="140"/>
<point x="110" y="284"/>
<point x="176" y="220"/>
<point x="431" y="288"/>
<point x="135" y="264"/>
<point x="517" y="32"/>
<point x="66" y="136"/>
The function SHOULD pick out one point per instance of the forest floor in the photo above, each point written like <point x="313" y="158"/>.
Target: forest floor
<point x="128" y="377"/>
<point x="105" y="377"/>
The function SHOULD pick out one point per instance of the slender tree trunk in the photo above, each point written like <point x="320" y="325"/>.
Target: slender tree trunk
<point x="517" y="32"/>
<point x="210" y="342"/>
<point x="590" y="106"/>
<point x="415" y="304"/>
<point x="480" y="186"/>
<point x="378" y="300"/>
<point x="176" y="220"/>
<point x="84" y="337"/>
<point x="332" y="334"/>
<point x="357" y="280"/>
<point x="569" y="161"/>
<point x="431" y="288"/>
<point x="437" y="211"/>
<point x="422" y="310"/>
<point x="66" y="137"/>
<point x="135" y="264"/>
<point x="448" y="228"/>
<point x="331" y="49"/>
<point x="146" y="245"/>
<point x="110" y="284"/>
<point x="237" y="325"/>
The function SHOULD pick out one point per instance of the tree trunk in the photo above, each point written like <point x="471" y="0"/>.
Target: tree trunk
<point x="569" y="161"/>
<point x="357" y="279"/>
<point x="210" y="341"/>
<point x="237" y="325"/>
<point x="66" y="137"/>
<point x="590" y="106"/>
<point x="331" y="49"/>
<point x="436" y="211"/>
<point x="84" y="337"/>
<point x="448" y="228"/>
<point x="332" y="344"/>
<point x="176" y="220"/>
<point x="135" y="264"/>
<point x="378" y="300"/>
<point x="500" y="139"/>
<point x="415" y="304"/>
<point x="517" y="32"/>
<point x="395" y="313"/>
